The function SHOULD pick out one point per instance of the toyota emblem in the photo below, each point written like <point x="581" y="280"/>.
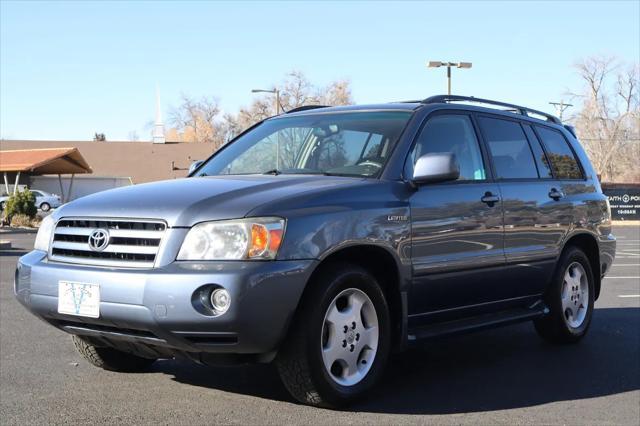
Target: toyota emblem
<point x="99" y="239"/>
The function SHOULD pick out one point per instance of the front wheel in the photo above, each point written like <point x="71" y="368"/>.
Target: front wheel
<point x="45" y="207"/>
<point x="339" y="341"/>
<point x="570" y="299"/>
<point x="109" y="358"/>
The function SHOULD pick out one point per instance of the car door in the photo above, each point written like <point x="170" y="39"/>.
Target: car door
<point x="534" y="217"/>
<point x="457" y="233"/>
<point x="39" y="197"/>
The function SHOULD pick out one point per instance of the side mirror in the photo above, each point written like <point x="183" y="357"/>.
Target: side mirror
<point x="436" y="167"/>
<point x="194" y="166"/>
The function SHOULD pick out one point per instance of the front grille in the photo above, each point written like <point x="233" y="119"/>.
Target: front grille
<point x="132" y="243"/>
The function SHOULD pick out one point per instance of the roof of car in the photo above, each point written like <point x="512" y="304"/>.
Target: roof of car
<point x="393" y="106"/>
<point x="436" y="102"/>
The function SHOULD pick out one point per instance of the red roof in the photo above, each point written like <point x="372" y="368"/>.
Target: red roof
<point x="44" y="161"/>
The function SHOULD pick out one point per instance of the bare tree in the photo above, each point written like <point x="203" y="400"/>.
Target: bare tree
<point x="609" y="121"/>
<point x="295" y="91"/>
<point x="195" y="120"/>
<point x="200" y="120"/>
<point x="337" y="93"/>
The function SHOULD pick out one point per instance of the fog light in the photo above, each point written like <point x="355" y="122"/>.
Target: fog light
<point x="220" y="300"/>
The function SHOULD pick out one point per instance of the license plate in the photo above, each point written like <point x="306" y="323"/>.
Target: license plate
<point x="81" y="299"/>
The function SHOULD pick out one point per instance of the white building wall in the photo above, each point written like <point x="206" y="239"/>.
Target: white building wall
<point x="82" y="185"/>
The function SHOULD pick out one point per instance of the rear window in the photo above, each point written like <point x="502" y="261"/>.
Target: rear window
<point x="563" y="161"/>
<point x="544" y="169"/>
<point x="510" y="152"/>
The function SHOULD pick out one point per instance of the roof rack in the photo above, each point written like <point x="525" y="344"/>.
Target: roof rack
<point x="515" y="108"/>
<point x="306" y="107"/>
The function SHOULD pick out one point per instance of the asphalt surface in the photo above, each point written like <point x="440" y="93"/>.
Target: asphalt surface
<point x="502" y="376"/>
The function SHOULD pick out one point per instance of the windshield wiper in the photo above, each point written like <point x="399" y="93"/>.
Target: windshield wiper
<point x="274" y="172"/>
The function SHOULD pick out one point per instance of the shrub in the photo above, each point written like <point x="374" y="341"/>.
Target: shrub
<point x="22" y="202"/>
<point x="21" y="220"/>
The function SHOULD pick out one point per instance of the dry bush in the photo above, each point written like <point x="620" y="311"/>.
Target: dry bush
<point x="21" y="221"/>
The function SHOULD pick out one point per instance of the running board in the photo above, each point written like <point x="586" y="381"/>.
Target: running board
<point x="477" y="323"/>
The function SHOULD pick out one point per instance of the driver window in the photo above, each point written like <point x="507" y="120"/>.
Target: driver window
<point x="452" y="133"/>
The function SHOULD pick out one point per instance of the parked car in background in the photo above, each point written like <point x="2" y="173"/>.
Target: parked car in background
<point x="44" y="200"/>
<point x="325" y="238"/>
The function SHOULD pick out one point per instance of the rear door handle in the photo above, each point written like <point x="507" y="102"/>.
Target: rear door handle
<point x="490" y="199"/>
<point x="555" y="194"/>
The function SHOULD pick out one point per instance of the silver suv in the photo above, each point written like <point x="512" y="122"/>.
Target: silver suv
<point x="325" y="238"/>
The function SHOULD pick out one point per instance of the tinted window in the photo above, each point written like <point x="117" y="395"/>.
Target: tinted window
<point x="544" y="170"/>
<point x="563" y="162"/>
<point x="512" y="157"/>
<point x="455" y="134"/>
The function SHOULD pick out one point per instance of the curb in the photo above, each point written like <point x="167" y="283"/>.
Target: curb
<point x="8" y="231"/>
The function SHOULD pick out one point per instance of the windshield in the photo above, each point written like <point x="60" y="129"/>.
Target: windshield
<point x="346" y="144"/>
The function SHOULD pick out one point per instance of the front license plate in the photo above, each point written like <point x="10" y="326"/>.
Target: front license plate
<point x="81" y="299"/>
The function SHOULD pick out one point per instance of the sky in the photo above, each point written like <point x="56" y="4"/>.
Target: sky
<point x="70" y="69"/>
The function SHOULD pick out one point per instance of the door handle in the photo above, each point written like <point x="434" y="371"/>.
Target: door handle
<point x="555" y="194"/>
<point x="489" y="198"/>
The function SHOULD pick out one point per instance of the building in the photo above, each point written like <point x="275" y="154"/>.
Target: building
<point x="116" y="163"/>
<point x="112" y="164"/>
<point x="21" y="166"/>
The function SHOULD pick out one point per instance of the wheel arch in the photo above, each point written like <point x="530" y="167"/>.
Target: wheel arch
<point x="589" y="244"/>
<point x="383" y="265"/>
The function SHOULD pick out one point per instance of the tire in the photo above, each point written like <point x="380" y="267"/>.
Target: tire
<point x="109" y="358"/>
<point x="318" y="333"/>
<point x="570" y="300"/>
<point x="45" y="207"/>
<point x="1" y="205"/>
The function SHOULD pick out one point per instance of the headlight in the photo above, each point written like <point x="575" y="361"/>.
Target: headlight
<point x="44" y="234"/>
<point x="253" y="238"/>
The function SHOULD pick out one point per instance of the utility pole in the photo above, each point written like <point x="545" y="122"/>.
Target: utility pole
<point x="560" y="107"/>
<point x="438" y="64"/>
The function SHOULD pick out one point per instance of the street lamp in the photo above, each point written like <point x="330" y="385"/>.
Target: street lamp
<point x="275" y="92"/>
<point x="437" y="64"/>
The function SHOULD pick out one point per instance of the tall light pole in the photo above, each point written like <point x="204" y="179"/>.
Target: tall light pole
<point x="275" y="92"/>
<point x="560" y="107"/>
<point x="438" y="64"/>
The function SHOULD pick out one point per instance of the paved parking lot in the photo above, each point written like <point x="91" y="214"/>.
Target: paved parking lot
<point x="504" y="376"/>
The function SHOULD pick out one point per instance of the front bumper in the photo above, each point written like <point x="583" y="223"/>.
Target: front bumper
<point x="154" y="307"/>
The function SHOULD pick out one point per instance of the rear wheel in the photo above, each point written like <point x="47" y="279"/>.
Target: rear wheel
<point x="109" y="358"/>
<point x="339" y="342"/>
<point x="45" y="207"/>
<point x="570" y="299"/>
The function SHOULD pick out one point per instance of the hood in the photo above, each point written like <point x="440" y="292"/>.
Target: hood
<point x="184" y="202"/>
